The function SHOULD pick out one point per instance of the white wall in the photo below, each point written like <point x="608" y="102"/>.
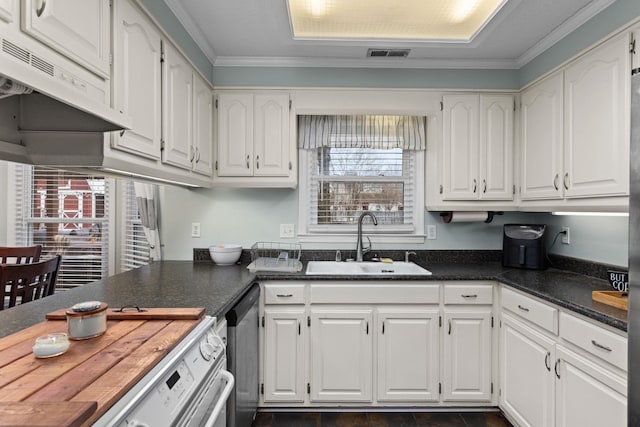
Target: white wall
<point x="3" y="203"/>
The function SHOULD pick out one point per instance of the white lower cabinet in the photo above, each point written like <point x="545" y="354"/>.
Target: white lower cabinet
<point x="526" y="377"/>
<point x="341" y="355"/>
<point x="575" y="378"/>
<point x="284" y="354"/>
<point x="408" y="354"/>
<point x="467" y="355"/>
<point x="587" y="395"/>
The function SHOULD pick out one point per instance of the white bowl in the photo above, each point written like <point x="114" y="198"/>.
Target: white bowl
<point x="225" y="254"/>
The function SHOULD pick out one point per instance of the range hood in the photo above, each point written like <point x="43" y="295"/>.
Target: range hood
<point x="39" y="94"/>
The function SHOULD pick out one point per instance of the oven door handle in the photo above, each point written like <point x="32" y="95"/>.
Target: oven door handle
<point x="222" y="400"/>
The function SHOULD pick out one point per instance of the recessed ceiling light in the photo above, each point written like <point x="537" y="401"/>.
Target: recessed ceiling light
<point x="436" y="20"/>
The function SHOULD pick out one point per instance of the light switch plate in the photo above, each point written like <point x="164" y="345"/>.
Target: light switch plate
<point x="195" y="229"/>
<point x="431" y="232"/>
<point x="286" y="231"/>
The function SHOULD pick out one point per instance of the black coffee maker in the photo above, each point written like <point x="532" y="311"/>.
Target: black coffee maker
<point x="523" y="246"/>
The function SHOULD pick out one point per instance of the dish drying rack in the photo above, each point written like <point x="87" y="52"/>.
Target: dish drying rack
<point x="272" y="256"/>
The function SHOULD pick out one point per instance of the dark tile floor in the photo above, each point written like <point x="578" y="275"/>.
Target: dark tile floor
<point x="380" y="419"/>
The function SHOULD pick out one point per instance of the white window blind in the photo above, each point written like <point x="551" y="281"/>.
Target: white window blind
<point x="343" y="179"/>
<point x="134" y="247"/>
<point x="66" y="213"/>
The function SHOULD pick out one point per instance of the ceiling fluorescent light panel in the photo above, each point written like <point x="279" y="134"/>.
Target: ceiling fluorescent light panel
<point x="418" y="20"/>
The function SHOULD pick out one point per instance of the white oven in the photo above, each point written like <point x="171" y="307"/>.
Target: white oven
<point x="188" y="388"/>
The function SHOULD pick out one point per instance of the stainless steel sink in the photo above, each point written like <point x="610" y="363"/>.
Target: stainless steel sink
<point x="365" y="268"/>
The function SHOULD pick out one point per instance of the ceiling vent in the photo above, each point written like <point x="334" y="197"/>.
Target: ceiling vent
<point x="388" y="53"/>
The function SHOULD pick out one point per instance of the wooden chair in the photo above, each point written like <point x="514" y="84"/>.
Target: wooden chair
<point x="27" y="282"/>
<point x="20" y="254"/>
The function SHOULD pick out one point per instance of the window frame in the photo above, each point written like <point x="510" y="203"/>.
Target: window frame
<point x="307" y="232"/>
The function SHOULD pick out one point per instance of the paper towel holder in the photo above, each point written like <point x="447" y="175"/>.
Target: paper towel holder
<point x="448" y="216"/>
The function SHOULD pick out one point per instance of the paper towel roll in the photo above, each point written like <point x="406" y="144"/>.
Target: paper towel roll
<point x="483" y="216"/>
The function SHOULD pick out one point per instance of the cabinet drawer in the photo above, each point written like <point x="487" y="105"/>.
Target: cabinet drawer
<point x="375" y="294"/>
<point x="468" y="294"/>
<point x="595" y="340"/>
<point x="534" y="311"/>
<point x="284" y="294"/>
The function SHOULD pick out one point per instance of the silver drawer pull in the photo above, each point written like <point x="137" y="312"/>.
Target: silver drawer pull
<point x="469" y="296"/>
<point x="525" y="309"/>
<point x="603" y="347"/>
<point x="284" y="295"/>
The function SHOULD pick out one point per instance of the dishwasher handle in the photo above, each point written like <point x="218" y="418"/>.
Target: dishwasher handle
<point x="222" y="400"/>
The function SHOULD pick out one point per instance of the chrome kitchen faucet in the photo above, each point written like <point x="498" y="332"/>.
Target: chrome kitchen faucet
<point x="359" y="246"/>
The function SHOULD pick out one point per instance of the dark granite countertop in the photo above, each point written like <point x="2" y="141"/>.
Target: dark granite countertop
<point x="217" y="289"/>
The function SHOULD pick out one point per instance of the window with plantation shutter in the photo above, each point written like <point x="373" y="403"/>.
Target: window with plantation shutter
<point x="352" y="164"/>
<point x="68" y="214"/>
<point x="134" y="247"/>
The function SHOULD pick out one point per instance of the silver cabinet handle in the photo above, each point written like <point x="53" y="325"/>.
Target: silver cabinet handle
<point x="475" y="185"/>
<point x="555" y="368"/>
<point x="248" y="166"/>
<point x="484" y="185"/>
<point x="525" y="309"/>
<point x="449" y="327"/>
<point x="546" y="361"/>
<point x="284" y="295"/>
<point x="367" y="329"/>
<point x="600" y="346"/>
<point x="299" y="328"/>
<point x="258" y="162"/>
<point x="383" y="327"/>
<point x="555" y="182"/>
<point x="122" y="133"/>
<point x="40" y="10"/>
<point x="565" y="181"/>
<point x="193" y="154"/>
<point x="197" y="155"/>
<point x="469" y="295"/>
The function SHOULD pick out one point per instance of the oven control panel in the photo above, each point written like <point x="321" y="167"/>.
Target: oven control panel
<point x="161" y="397"/>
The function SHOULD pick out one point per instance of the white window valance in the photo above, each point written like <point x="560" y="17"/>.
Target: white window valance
<point x="362" y="131"/>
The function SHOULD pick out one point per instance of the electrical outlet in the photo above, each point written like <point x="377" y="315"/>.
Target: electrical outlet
<point x="431" y="232"/>
<point x="195" y="229"/>
<point x="286" y="231"/>
<point x="565" y="239"/>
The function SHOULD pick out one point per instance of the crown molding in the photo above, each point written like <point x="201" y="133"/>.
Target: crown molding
<point x="563" y="30"/>
<point x="177" y="7"/>
<point x="398" y="63"/>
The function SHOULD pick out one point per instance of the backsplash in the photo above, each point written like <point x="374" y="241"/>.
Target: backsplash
<point x="426" y="257"/>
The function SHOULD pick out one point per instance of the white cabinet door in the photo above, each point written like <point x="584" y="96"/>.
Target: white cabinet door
<point x="57" y="23"/>
<point x="341" y="355"/>
<point x="526" y="374"/>
<point x="460" y="151"/>
<point x="588" y="395"/>
<point x="8" y="10"/>
<point x="496" y="147"/>
<point x="235" y="134"/>
<point x="284" y="355"/>
<point x="137" y="81"/>
<point x="596" y="89"/>
<point x="541" y="123"/>
<point x="271" y="133"/>
<point x="203" y="126"/>
<point x="403" y="374"/>
<point x="467" y="355"/>
<point x="177" y="109"/>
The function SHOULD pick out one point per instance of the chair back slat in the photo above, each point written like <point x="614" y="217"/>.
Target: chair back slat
<point x="20" y="254"/>
<point x="27" y="282"/>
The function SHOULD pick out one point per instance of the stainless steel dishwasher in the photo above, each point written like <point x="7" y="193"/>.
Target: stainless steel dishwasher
<point x="242" y="359"/>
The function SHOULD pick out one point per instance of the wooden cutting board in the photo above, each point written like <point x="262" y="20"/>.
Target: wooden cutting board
<point x="93" y="373"/>
<point x="613" y="298"/>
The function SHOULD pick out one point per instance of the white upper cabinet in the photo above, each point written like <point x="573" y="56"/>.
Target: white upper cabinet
<point x="235" y="134"/>
<point x="271" y="137"/>
<point x="138" y="81"/>
<point x="596" y="149"/>
<point x="541" y="137"/>
<point x="57" y="23"/>
<point x="202" y="159"/>
<point x="8" y="10"/>
<point x="477" y="147"/>
<point x="254" y="144"/>
<point x="177" y="109"/>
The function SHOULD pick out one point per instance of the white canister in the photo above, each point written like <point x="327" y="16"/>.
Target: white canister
<point x="87" y="320"/>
